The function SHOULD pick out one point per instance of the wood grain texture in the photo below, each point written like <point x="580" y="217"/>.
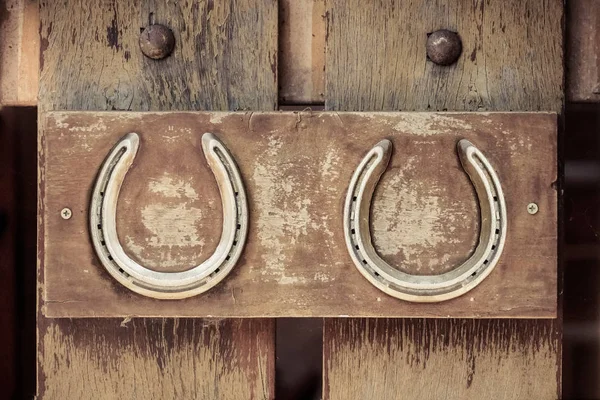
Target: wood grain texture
<point x="90" y="61"/>
<point x="225" y="56"/>
<point x="19" y="52"/>
<point x="512" y="56"/>
<point x="422" y="359"/>
<point x="296" y="168"/>
<point x="512" y="60"/>
<point x="302" y="51"/>
<point x="583" y="51"/>
<point x="157" y="358"/>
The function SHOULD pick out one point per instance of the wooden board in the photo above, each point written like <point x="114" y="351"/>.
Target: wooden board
<point x="90" y="60"/>
<point x="90" y="57"/>
<point x="296" y="168"/>
<point x="422" y="359"/>
<point x="376" y="61"/>
<point x="512" y="56"/>
<point x="158" y="358"/>
<point x="19" y="52"/>
<point x="583" y="51"/>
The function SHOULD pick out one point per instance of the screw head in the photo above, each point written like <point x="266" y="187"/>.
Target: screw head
<point x="532" y="208"/>
<point x="443" y="47"/>
<point x="157" y="41"/>
<point x="66" y="213"/>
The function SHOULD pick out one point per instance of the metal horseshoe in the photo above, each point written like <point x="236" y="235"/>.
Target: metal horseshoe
<point x="425" y="288"/>
<point x="168" y="285"/>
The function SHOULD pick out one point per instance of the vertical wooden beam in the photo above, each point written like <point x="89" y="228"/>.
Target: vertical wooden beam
<point x="302" y="51"/>
<point x="512" y="60"/>
<point x="583" y="50"/>
<point x="225" y="58"/>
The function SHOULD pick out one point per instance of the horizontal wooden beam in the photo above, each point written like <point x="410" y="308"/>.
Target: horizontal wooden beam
<point x="296" y="168"/>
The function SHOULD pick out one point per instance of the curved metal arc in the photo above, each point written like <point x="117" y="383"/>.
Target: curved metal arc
<point x="169" y="285"/>
<point x="425" y="288"/>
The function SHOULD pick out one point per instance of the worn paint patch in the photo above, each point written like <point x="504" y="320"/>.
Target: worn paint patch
<point x="170" y="187"/>
<point x="284" y="217"/>
<point x="424" y="124"/>
<point x="413" y="219"/>
<point x="172" y="224"/>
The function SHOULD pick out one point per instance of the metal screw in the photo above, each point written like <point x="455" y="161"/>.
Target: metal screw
<point x="443" y="47"/>
<point x="157" y="41"/>
<point x="532" y="208"/>
<point x="66" y="213"/>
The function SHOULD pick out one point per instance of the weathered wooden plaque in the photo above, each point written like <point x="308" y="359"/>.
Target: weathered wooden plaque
<point x="296" y="168"/>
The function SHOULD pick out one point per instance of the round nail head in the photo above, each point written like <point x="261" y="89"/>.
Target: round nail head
<point x="157" y="41"/>
<point x="444" y="47"/>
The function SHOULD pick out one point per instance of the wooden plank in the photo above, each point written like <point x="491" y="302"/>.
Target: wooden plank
<point x="491" y="75"/>
<point x="90" y="51"/>
<point x="302" y="51"/>
<point x="421" y="359"/>
<point x="296" y="168"/>
<point x="90" y="60"/>
<point x="583" y="51"/>
<point x="512" y="56"/>
<point x="158" y="358"/>
<point x="19" y="52"/>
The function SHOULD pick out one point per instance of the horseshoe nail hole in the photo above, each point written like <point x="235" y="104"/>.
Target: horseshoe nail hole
<point x="376" y="274"/>
<point x="110" y="257"/>
<point x="354" y="198"/>
<point x="121" y="270"/>
<point x="103" y="243"/>
<point x="217" y="270"/>
<point x="495" y="198"/>
<point x="236" y="193"/>
<point x="357" y="248"/>
<point x="365" y="262"/>
<point x="353" y="231"/>
<point x="494" y="247"/>
<point x="99" y="226"/>
<point x="234" y="242"/>
<point x="474" y="273"/>
<point x="485" y="262"/>
<point x="239" y="226"/>
<point x="227" y="258"/>
<point x="497" y="231"/>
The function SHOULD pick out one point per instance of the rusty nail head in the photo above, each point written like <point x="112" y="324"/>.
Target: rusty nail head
<point x="66" y="213"/>
<point x="157" y="41"/>
<point x="443" y="47"/>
